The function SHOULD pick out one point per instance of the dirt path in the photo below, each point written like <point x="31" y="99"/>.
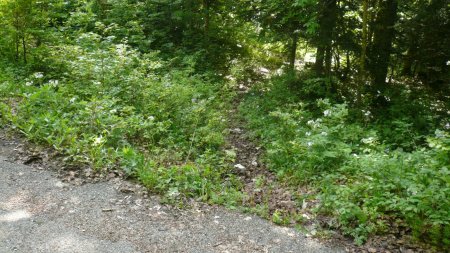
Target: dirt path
<point x="41" y="213"/>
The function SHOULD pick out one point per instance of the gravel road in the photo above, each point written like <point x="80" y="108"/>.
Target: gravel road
<point x="40" y="213"/>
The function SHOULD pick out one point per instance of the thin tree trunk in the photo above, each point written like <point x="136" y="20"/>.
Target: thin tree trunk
<point x="17" y="42"/>
<point x="362" y="59"/>
<point x="320" y="56"/>
<point x="328" y="59"/>
<point x="293" y="52"/>
<point x="17" y="38"/>
<point x="347" y="65"/>
<point x="206" y="5"/>
<point x="337" y="59"/>
<point x="24" y="47"/>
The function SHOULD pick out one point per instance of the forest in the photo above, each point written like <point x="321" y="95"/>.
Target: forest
<point x="346" y="103"/>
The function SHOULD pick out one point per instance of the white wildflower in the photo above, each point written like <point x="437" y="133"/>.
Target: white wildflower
<point x="98" y="141"/>
<point x="369" y="140"/>
<point x="314" y="123"/>
<point x="72" y="100"/>
<point x="53" y="83"/>
<point x="308" y="133"/>
<point x="38" y="75"/>
<point x="324" y="133"/>
<point x="151" y="118"/>
<point x="309" y="144"/>
<point x="327" y="113"/>
<point x="29" y="83"/>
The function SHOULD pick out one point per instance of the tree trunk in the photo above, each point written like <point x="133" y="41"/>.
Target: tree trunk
<point x="293" y="52"/>
<point x="328" y="59"/>
<point x="381" y="47"/>
<point x="347" y="65"/>
<point x="16" y="37"/>
<point x="206" y="5"/>
<point x="24" y="47"/>
<point x="17" y="42"/>
<point x="362" y="60"/>
<point x="327" y="23"/>
<point x="320" y="56"/>
<point x="337" y="59"/>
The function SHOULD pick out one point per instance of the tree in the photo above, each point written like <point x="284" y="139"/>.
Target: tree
<point x="424" y="45"/>
<point x="327" y="16"/>
<point x="18" y="20"/>
<point x="381" y="47"/>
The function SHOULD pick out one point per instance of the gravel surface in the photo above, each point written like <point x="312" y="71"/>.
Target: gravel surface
<point x="41" y="213"/>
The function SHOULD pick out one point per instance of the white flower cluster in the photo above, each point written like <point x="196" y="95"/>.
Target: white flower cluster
<point x="369" y="140"/>
<point x="314" y="123"/>
<point x="53" y="83"/>
<point x="38" y="75"/>
<point x="98" y="141"/>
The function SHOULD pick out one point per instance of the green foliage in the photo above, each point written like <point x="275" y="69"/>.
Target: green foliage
<point x="5" y="114"/>
<point x="279" y="218"/>
<point x="114" y="106"/>
<point x="361" y="181"/>
<point x="141" y="85"/>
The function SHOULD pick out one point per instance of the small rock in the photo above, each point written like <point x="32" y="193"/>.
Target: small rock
<point x="237" y="130"/>
<point x="304" y="204"/>
<point x="239" y="167"/>
<point x="126" y="190"/>
<point x="247" y="218"/>
<point x="372" y="250"/>
<point x="264" y="70"/>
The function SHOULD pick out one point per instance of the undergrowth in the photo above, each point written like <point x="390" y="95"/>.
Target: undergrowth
<point x="114" y="106"/>
<point x="367" y="182"/>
